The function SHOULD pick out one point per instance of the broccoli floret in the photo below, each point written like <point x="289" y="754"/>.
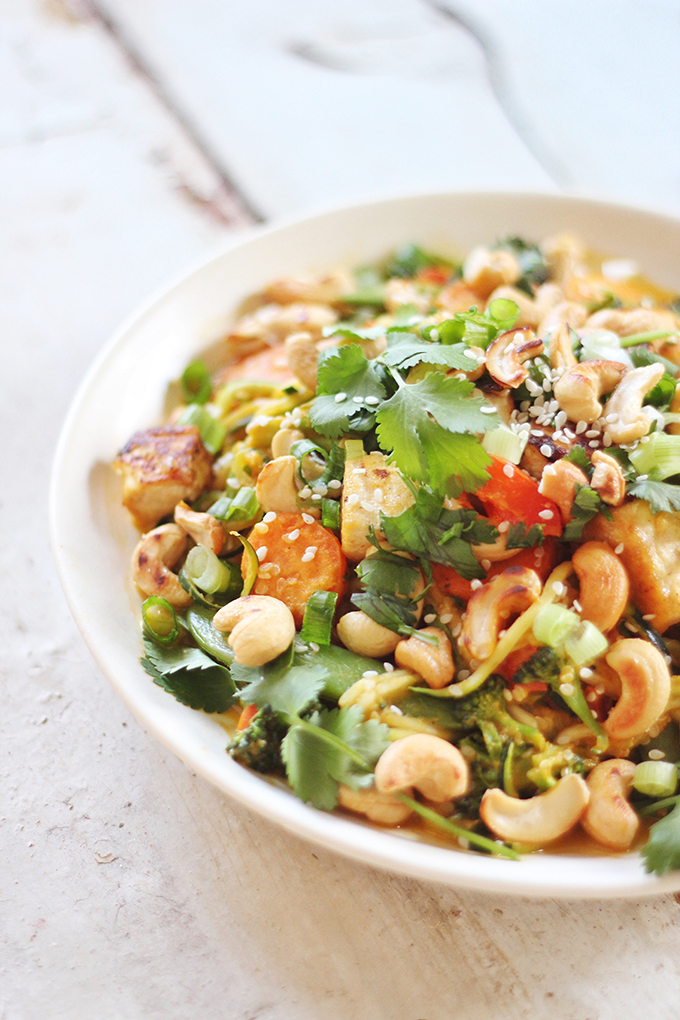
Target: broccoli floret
<point x="553" y="763"/>
<point x="258" y="746"/>
<point x="544" y="665"/>
<point x="487" y="707"/>
<point x="532" y="263"/>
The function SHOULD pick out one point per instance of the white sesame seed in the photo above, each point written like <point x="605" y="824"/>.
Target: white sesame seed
<point x="487" y="409"/>
<point x="546" y="515"/>
<point x="569" y="434"/>
<point x="503" y="527"/>
<point x="292" y="535"/>
<point x="611" y="418"/>
<point x="430" y="617"/>
<point x="547" y="385"/>
<point x="389" y="668"/>
<point x="607" y="440"/>
<point x="305" y="493"/>
<point x="581" y="426"/>
<point x="269" y="517"/>
<point x="566" y="689"/>
<point x="261" y="553"/>
<point x="307" y="557"/>
<point x="577" y="606"/>
<point x="320" y="489"/>
<point x="353" y="499"/>
<point x="593" y="713"/>
<point x="656" y="754"/>
<point x="368" y="506"/>
<point x="372" y="400"/>
<point x="539" y="433"/>
<point x="507" y="694"/>
<point x="308" y="519"/>
<point x="599" y="688"/>
<point x="591" y="696"/>
<point x="546" y="450"/>
<point x="469" y="354"/>
<point x="368" y="673"/>
<point x="395" y="708"/>
<point x="560" y="419"/>
<point x="584" y="672"/>
<point x="261" y="528"/>
<point x="446" y="618"/>
<point x="592" y="433"/>
<point x="335" y="483"/>
<point x="508" y="470"/>
<point x="593" y="444"/>
<point x="339" y="397"/>
<point x="313" y="645"/>
<point x="457" y="629"/>
<point x="317" y="495"/>
<point x="558" y="588"/>
<point x="642" y="478"/>
<point x="630" y="626"/>
<point x="359" y="471"/>
<point x="233" y="483"/>
<point x="619" y="548"/>
<point x="475" y="584"/>
<point x="378" y="495"/>
<point x="357" y="400"/>
<point x="649" y="616"/>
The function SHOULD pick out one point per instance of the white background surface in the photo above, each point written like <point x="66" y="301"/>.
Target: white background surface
<point x="135" y="135"/>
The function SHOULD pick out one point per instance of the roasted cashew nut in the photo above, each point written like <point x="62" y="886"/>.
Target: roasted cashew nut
<point x="626" y="403"/>
<point x="571" y="313"/>
<point x="507" y="594"/>
<point x="506" y="354"/>
<point x="560" y="351"/>
<point x="604" y="587"/>
<point x="608" y="480"/>
<point x="272" y="323"/>
<point x="627" y="321"/>
<point x="205" y="529"/>
<point x="260" y="628"/>
<point x="430" y="764"/>
<point x="154" y="555"/>
<point x="277" y="486"/>
<point x="283" y="440"/>
<point x="303" y="358"/>
<point x="538" y="819"/>
<point x="433" y="663"/>
<point x="558" y="483"/>
<point x="645" y="688"/>
<point x="484" y="270"/>
<point x="382" y="808"/>
<point x="609" y="818"/>
<point x="326" y="288"/>
<point x="364" y="636"/>
<point x="579" y="389"/>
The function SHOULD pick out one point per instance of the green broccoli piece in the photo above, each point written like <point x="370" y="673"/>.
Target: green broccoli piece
<point x="544" y="665"/>
<point x="532" y="263"/>
<point x="258" y="746"/>
<point x="486" y="710"/>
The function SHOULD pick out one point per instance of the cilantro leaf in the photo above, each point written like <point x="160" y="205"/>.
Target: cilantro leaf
<point x="191" y="676"/>
<point x="315" y="764"/>
<point x="391" y="611"/>
<point x="406" y="349"/>
<point x="586" y="505"/>
<point x="437" y="412"/>
<point x="430" y="531"/>
<point x="388" y="572"/>
<point x="663" y="497"/>
<point x="577" y="455"/>
<point x="409" y="260"/>
<point x="662" y="850"/>
<point x="347" y="373"/>
<point x="289" y="689"/>
<point x="531" y="260"/>
<point x="476" y="328"/>
<point x="521" y="537"/>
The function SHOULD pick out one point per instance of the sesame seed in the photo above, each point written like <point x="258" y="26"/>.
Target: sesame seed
<point x="649" y="616"/>
<point x="607" y="440"/>
<point x="320" y="489"/>
<point x="549" y="469"/>
<point x="469" y="354"/>
<point x="539" y="433"/>
<point x="313" y="645"/>
<point x="507" y="694"/>
<point x="430" y="617"/>
<point x="368" y="506"/>
<point x="631" y="627"/>
<point x="546" y="450"/>
<point x="569" y="434"/>
<point x="508" y="470"/>
<point x="270" y="516"/>
<point x="359" y="471"/>
<point x="593" y="713"/>
<point x="339" y="397"/>
<point x="317" y="495"/>
<point x="335" y="484"/>
<point x="546" y="515"/>
<point x="593" y="444"/>
<point x="464" y="674"/>
<point x="475" y="584"/>
<point x="560" y="419"/>
<point x="378" y="495"/>
<point x="305" y="493"/>
<point x="577" y="606"/>
<point x="591" y="696"/>
<point x="368" y="673"/>
<point x="261" y="528"/>
<point x="307" y="556"/>
<point x="395" y="708"/>
<point x="612" y="418"/>
<point x="547" y="385"/>
<point x="261" y="553"/>
<point x="503" y="527"/>
<point x="457" y="629"/>
<point x="619" y="548"/>
<point x="592" y="433"/>
<point x="656" y="754"/>
<point x="434" y="334"/>
<point x="558" y="588"/>
<point x="642" y="478"/>
<point x="233" y="483"/>
<point x="372" y="400"/>
<point x="446" y="617"/>
<point x="566" y="689"/>
<point x="353" y="499"/>
<point x="599" y="688"/>
<point x="292" y="535"/>
<point x="486" y="564"/>
<point x="307" y="518"/>
<point x="581" y="426"/>
<point x="389" y="668"/>
<point x="487" y="409"/>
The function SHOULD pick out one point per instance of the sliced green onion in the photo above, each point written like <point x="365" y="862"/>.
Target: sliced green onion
<point x="647" y="338"/>
<point x="212" y="431"/>
<point x="196" y="384"/>
<point x="209" y="572"/>
<point x="586" y="645"/>
<point x="354" y="448"/>
<point x="252" y="563"/>
<point x="503" y="310"/>
<point x="660" y="457"/>
<point x="160" y="620"/>
<point x="554" y="624"/>
<point x="503" y="442"/>
<point x="318" y="619"/>
<point x="602" y="343"/>
<point x="473" y="838"/>
<point x="330" y="513"/>
<point x="656" y="778"/>
<point x="238" y="509"/>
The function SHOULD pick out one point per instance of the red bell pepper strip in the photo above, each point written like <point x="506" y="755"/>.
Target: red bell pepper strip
<point x="512" y="495"/>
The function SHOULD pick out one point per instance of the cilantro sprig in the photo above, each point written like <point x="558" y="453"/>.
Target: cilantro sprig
<point x="190" y="675"/>
<point x="661" y="853"/>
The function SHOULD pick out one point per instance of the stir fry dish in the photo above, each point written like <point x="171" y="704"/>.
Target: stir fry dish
<point x="418" y="547"/>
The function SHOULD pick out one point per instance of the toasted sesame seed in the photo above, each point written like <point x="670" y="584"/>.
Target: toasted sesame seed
<point x="475" y="584"/>
<point x="292" y="535"/>
<point x="566" y="689"/>
<point x="656" y="754"/>
<point x="486" y="564"/>
<point x="546" y="515"/>
<point x="649" y="616"/>
<point x="430" y="618"/>
<point x="261" y="553"/>
<point x="619" y="548"/>
<point x="446" y="618"/>
<point x="339" y="397"/>
<point x="261" y="528"/>
<point x="270" y="516"/>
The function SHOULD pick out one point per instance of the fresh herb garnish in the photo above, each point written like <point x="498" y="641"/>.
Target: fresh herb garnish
<point x="663" y="497"/>
<point x="190" y="675"/>
<point x="661" y="853"/>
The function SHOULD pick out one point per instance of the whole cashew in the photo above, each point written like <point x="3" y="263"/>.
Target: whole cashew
<point x="364" y="636"/>
<point x="539" y="819"/>
<point x="277" y="487"/>
<point x="626" y="321"/>
<point x="260" y="628"/>
<point x="430" y="764"/>
<point x="272" y="323"/>
<point x="283" y="440"/>
<point x="505" y="356"/>
<point x="571" y="313"/>
<point x="303" y="357"/>
<point x="604" y="586"/>
<point x="560" y="351"/>
<point x="205" y="529"/>
<point x="154" y="555"/>
<point x="579" y="389"/>
<point x="645" y="688"/>
<point x="383" y="808"/>
<point x="508" y="593"/>
<point x="325" y="289"/>
<point x="558" y="483"/>
<point x="609" y="818"/>
<point x="626" y="402"/>
<point x="608" y="478"/>
<point x="484" y="270"/>
<point x="434" y="664"/>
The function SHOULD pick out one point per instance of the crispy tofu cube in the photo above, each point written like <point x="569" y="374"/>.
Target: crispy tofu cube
<point x="370" y="486"/>
<point x="159" y="468"/>
<point x="650" y="554"/>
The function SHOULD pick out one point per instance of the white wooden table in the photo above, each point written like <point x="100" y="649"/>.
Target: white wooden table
<point x="134" y="136"/>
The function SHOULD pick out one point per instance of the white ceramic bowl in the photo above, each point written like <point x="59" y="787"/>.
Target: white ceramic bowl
<point x="124" y="391"/>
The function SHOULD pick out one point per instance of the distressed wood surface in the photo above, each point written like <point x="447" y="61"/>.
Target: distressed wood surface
<point x="134" y="137"/>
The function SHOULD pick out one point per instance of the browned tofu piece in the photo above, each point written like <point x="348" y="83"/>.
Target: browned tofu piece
<point x="370" y="486"/>
<point x="650" y="554"/>
<point x="160" y="467"/>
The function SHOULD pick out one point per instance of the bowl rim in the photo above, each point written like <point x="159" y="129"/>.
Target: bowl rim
<point x="352" y="838"/>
